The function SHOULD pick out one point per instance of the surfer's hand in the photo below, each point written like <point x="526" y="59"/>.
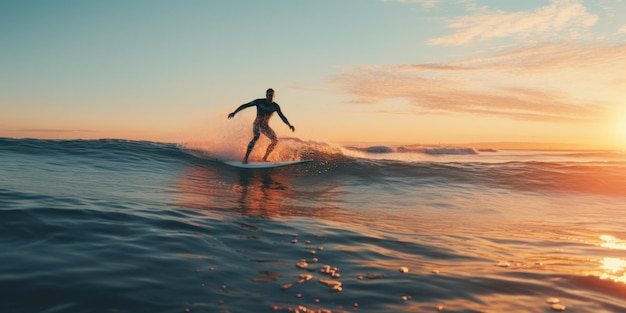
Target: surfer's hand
<point x="293" y="129"/>
<point x="231" y="115"/>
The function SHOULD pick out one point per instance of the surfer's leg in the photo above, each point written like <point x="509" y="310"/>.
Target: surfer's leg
<point x="272" y="136"/>
<point x="257" y="134"/>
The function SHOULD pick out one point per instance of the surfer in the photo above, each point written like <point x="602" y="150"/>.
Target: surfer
<point x="264" y="110"/>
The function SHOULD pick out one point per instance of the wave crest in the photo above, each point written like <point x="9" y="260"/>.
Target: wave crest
<point x="422" y="150"/>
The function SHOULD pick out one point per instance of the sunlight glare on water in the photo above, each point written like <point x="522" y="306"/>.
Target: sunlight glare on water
<point x="612" y="242"/>
<point x="613" y="268"/>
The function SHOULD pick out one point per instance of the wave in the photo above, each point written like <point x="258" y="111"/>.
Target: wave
<point x="588" y="172"/>
<point x="100" y="150"/>
<point x="422" y="150"/>
<point x="293" y="149"/>
<point x="289" y="149"/>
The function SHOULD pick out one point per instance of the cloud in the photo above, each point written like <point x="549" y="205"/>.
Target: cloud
<point x="562" y="83"/>
<point x="425" y="3"/>
<point x="622" y="29"/>
<point x="559" y="16"/>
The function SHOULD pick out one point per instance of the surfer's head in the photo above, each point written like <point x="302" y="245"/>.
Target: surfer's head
<point x="269" y="94"/>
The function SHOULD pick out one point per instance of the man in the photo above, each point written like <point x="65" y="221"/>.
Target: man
<point x="264" y="110"/>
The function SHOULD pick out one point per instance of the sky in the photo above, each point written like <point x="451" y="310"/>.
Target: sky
<point x="368" y="71"/>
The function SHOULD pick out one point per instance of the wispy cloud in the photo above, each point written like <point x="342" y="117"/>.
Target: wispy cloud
<point x="554" y="83"/>
<point x="424" y="3"/>
<point x="559" y="17"/>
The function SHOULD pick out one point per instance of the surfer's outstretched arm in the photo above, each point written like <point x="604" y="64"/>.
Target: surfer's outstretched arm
<point x="241" y="107"/>
<point x="284" y="118"/>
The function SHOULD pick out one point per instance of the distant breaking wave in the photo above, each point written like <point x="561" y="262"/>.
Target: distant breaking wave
<point x="423" y="150"/>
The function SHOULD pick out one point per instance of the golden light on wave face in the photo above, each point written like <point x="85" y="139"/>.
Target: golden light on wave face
<point x="613" y="268"/>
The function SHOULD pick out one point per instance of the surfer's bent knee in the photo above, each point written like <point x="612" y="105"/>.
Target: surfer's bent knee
<point x="270" y="134"/>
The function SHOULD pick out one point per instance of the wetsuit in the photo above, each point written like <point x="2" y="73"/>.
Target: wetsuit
<point x="264" y="111"/>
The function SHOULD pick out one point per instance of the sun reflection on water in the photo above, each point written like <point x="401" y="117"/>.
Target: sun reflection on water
<point x="613" y="268"/>
<point x="612" y="242"/>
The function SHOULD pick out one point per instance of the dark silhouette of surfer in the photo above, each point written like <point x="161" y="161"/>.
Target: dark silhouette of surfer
<point x="264" y="110"/>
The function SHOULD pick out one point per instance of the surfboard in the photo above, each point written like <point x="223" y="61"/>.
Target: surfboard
<point x="265" y="164"/>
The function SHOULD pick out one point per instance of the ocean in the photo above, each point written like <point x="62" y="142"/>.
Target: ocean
<point x="136" y="226"/>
